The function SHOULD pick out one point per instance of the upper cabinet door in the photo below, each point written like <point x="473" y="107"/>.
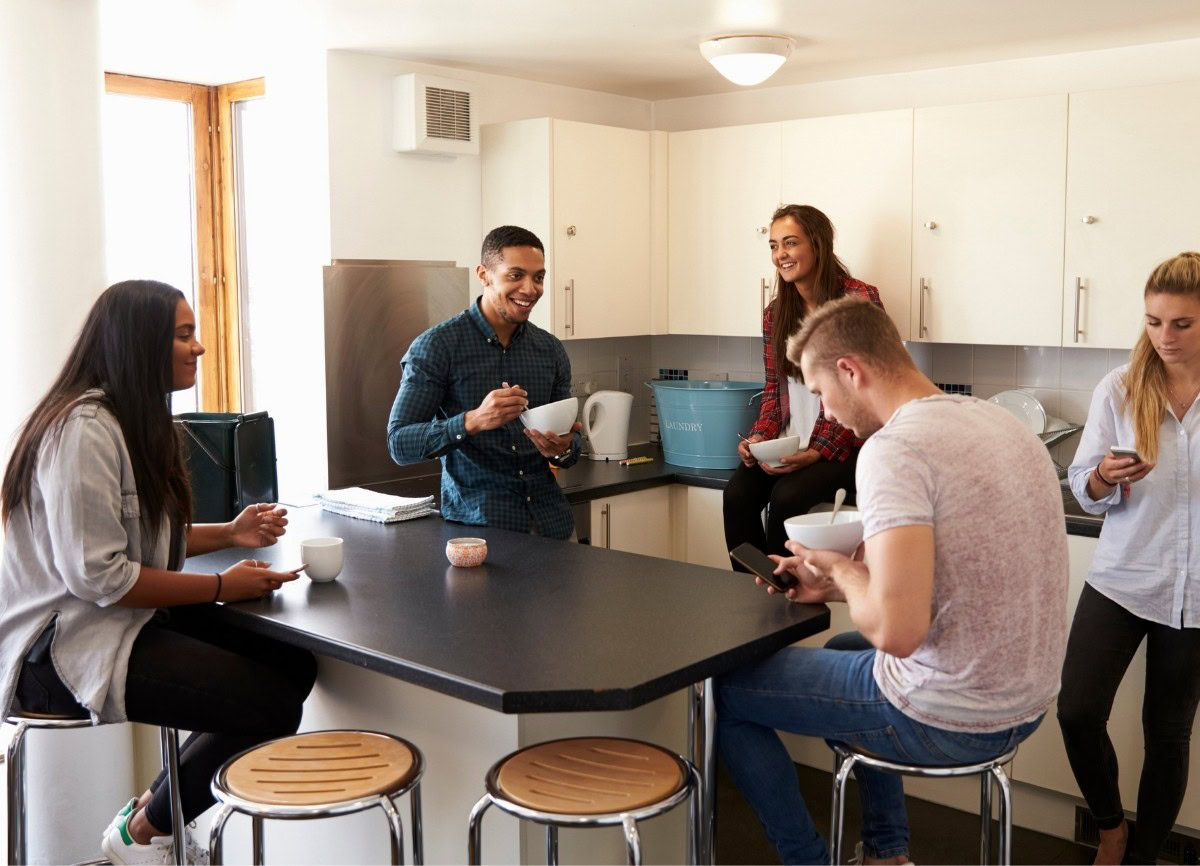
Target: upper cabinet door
<point x="857" y="168"/>
<point x="988" y="199"/>
<point x="602" y="229"/>
<point x="723" y="188"/>
<point x="1133" y="199"/>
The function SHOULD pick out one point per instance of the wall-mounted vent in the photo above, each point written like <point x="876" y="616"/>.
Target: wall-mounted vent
<point x="435" y="115"/>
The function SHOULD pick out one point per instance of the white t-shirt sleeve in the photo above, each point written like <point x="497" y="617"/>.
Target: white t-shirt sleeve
<point x="895" y="485"/>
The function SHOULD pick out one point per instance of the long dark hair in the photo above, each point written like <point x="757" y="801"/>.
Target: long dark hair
<point x="124" y="349"/>
<point x="788" y="312"/>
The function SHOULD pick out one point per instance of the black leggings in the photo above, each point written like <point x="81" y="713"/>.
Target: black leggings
<point x="1104" y="637"/>
<point x="751" y="489"/>
<point x="232" y="689"/>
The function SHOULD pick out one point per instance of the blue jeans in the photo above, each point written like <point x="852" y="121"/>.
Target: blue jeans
<point x="831" y="693"/>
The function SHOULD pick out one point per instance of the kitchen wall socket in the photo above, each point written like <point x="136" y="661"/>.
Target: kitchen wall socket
<point x="582" y="388"/>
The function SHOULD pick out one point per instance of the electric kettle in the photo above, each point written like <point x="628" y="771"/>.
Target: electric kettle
<point x="606" y="424"/>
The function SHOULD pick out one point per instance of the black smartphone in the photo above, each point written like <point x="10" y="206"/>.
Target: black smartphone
<point x="758" y="562"/>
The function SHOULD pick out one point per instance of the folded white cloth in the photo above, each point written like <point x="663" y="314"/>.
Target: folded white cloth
<point x="372" y="505"/>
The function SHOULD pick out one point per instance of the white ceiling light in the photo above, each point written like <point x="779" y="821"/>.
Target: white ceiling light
<point x="747" y="60"/>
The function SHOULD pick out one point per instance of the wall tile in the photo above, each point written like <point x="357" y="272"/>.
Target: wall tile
<point x="702" y="351"/>
<point x="669" y="350"/>
<point x="579" y="351"/>
<point x="986" y="392"/>
<point x="1039" y="366"/>
<point x="1082" y="369"/>
<point x="952" y="362"/>
<point x="995" y="365"/>
<point x="1048" y="398"/>
<point x="1073" y="405"/>
<point x="922" y="355"/>
<point x="639" y="424"/>
<point x="1117" y="357"/>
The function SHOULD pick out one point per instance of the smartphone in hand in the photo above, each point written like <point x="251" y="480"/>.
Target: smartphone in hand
<point x="1126" y="452"/>
<point x="758" y="562"/>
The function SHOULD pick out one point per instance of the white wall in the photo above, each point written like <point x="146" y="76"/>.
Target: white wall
<point x="393" y="205"/>
<point x="1005" y="79"/>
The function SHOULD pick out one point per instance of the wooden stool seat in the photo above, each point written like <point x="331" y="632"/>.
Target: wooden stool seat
<point x="322" y="768"/>
<point x="590" y="776"/>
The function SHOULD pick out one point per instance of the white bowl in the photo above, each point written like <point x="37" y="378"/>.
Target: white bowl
<point x="770" y="450"/>
<point x="556" y="417"/>
<point x="815" y="532"/>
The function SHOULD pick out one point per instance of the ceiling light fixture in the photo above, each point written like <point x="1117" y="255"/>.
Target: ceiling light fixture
<point x="749" y="59"/>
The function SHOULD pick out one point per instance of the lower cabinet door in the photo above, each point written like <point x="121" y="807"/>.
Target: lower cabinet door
<point x="634" y="522"/>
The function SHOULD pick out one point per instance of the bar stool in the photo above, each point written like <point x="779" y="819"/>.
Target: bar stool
<point x="320" y="775"/>
<point x="588" y="782"/>
<point x="25" y="720"/>
<point x="845" y="758"/>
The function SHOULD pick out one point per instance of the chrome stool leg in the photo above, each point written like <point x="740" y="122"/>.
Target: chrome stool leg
<point x="256" y="834"/>
<point x="214" y="834"/>
<point x="633" y="842"/>
<point x="695" y="816"/>
<point x="395" y="830"/>
<point x="15" y="759"/>
<point x="475" y="830"/>
<point x="169" y="743"/>
<point x="1005" y="816"/>
<point x="551" y="845"/>
<point x="843" y="763"/>
<point x="985" y="818"/>
<point x="414" y="801"/>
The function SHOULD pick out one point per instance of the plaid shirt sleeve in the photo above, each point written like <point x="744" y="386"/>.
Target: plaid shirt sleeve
<point x="770" y="413"/>
<point x="832" y="440"/>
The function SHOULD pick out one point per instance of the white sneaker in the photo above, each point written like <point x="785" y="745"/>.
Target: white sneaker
<point x="119" y="847"/>
<point x="194" y="852"/>
<point x="127" y="809"/>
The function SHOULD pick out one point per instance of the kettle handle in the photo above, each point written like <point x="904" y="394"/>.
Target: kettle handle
<point x="587" y="414"/>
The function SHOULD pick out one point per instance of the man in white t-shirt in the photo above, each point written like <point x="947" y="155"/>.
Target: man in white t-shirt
<point x="961" y="598"/>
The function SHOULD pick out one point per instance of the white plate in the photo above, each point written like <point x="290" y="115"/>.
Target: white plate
<point x="1027" y="408"/>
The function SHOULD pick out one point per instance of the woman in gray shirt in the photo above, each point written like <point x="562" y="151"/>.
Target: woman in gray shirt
<point x="95" y="617"/>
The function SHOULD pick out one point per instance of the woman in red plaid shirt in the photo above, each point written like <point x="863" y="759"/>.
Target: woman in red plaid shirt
<point x="809" y="274"/>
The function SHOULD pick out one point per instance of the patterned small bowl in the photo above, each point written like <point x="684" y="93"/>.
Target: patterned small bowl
<point x="466" y="552"/>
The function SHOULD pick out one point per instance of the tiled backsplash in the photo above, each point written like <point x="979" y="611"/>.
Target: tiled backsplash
<point x="1063" y="379"/>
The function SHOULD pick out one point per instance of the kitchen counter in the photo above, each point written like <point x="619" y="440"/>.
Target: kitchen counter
<point x="592" y="479"/>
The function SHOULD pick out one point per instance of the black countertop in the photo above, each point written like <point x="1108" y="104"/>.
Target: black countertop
<point x="592" y="479"/>
<point x="541" y="626"/>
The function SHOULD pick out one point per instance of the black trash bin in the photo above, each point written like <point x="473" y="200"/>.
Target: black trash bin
<point x="231" y="461"/>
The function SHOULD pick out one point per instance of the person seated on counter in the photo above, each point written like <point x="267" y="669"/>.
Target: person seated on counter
<point x="467" y="379"/>
<point x="961" y="597"/>
<point x="808" y="274"/>
<point x="96" y="617"/>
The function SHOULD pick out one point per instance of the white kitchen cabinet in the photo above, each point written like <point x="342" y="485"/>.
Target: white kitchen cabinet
<point x="584" y="190"/>
<point x="638" y="522"/>
<point x="988" y="204"/>
<point x="722" y="190"/>
<point x="857" y="169"/>
<point x="1133" y="181"/>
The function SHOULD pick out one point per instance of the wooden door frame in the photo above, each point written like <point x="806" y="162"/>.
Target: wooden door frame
<point x="216" y="218"/>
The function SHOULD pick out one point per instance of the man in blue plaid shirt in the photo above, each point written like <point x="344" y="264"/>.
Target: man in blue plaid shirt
<point x="465" y="382"/>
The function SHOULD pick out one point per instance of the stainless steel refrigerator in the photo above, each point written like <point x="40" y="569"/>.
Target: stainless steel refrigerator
<point x="373" y="311"/>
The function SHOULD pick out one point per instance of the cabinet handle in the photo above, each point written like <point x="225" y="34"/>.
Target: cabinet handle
<point x="1088" y="220"/>
<point x="1078" y="289"/>
<point x="569" y="289"/>
<point x="606" y="516"/>
<point x="764" y="295"/>
<point x="931" y="225"/>
<point x="570" y="231"/>
<point x="923" y="331"/>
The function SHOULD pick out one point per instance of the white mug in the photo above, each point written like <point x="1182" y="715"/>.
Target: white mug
<point x="322" y="558"/>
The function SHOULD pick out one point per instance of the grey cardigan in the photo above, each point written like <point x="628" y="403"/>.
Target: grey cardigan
<point x="71" y="551"/>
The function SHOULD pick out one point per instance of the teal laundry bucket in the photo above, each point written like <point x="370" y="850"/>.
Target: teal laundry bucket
<point x="699" y="421"/>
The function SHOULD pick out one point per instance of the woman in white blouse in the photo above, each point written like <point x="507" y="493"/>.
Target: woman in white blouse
<point x="1143" y="582"/>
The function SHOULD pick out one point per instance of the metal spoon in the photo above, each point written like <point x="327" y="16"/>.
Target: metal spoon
<point x="838" y="499"/>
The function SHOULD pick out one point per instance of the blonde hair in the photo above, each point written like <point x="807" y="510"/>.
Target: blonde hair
<point x="850" y="326"/>
<point x="1146" y="379"/>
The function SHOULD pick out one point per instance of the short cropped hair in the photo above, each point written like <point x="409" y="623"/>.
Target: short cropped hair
<point x="851" y="327"/>
<point x="506" y="236"/>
